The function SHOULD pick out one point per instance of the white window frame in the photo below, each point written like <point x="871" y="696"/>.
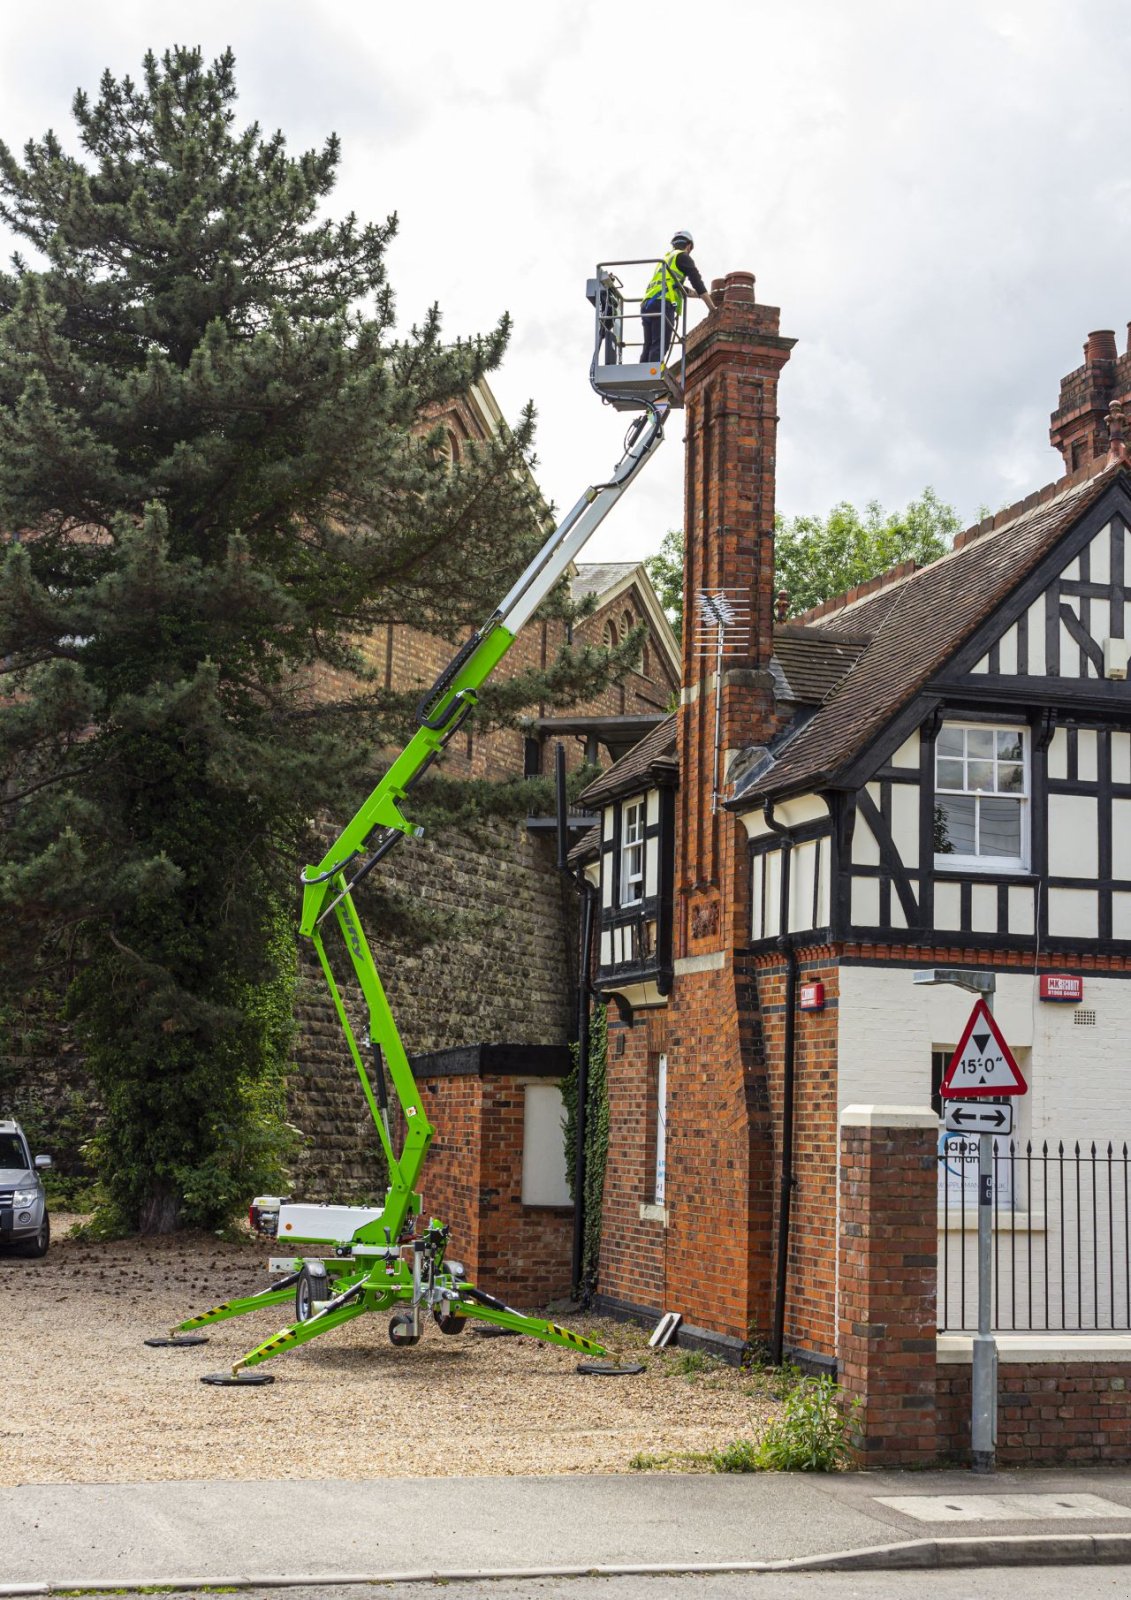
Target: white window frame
<point x="632" y="852"/>
<point x="952" y="862"/>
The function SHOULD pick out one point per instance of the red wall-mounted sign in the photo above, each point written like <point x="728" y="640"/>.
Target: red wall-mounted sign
<point x="812" y="997"/>
<point x="1058" y="986"/>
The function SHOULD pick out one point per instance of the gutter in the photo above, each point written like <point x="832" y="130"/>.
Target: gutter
<point x="786" y="1176"/>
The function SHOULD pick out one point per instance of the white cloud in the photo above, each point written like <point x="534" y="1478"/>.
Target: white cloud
<point x="932" y="193"/>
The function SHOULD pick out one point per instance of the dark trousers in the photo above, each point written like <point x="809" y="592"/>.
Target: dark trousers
<point x="659" y="318"/>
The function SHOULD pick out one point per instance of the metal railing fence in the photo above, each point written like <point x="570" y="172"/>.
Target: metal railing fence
<point x="1061" y="1239"/>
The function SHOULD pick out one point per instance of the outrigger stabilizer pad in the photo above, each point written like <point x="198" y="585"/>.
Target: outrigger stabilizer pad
<point x="184" y="1343"/>
<point x="245" y="1380"/>
<point x="609" y="1369"/>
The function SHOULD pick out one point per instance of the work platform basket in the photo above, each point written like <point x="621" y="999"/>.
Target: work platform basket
<point x="617" y="373"/>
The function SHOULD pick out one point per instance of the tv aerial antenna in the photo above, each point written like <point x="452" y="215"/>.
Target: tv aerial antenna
<point x="722" y="628"/>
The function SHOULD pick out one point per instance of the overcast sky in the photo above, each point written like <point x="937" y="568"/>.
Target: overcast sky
<point x="935" y="192"/>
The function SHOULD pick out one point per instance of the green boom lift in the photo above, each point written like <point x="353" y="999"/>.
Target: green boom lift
<point x="348" y="1260"/>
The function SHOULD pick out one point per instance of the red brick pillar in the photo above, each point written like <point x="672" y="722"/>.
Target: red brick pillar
<point x="720" y="1155"/>
<point x="887" y="1281"/>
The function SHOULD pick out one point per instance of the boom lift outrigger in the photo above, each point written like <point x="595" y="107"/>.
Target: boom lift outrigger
<point x="374" y="1260"/>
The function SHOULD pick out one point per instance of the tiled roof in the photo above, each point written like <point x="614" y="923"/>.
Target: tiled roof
<point x="598" y="577"/>
<point x="915" y="623"/>
<point x="636" y="769"/>
<point x="586" y="847"/>
<point x="813" y="662"/>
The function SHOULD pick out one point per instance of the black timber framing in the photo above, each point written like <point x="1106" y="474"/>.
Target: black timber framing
<point x="656" y="907"/>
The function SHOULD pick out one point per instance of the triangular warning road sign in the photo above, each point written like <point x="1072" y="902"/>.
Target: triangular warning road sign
<point x="983" y="1065"/>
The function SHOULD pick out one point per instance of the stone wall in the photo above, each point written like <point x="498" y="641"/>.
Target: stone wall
<point x="506" y="973"/>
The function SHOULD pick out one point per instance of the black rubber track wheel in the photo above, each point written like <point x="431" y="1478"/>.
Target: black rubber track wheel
<point x="400" y="1331"/>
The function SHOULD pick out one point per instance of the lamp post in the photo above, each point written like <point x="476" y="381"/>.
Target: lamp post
<point x="983" y="1376"/>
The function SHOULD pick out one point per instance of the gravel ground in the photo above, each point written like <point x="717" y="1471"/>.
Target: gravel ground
<point x="85" y="1401"/>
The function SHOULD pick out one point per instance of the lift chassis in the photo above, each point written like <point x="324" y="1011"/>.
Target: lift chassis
<point x="347" y="1260"/>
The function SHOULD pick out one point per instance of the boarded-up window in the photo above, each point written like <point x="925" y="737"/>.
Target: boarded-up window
<point x="544" y="1180"/>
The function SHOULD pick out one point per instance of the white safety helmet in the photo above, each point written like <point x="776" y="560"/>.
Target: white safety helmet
<point x="682" y="240"/>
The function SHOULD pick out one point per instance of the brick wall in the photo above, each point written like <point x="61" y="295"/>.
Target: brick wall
<point x="1049" y="1413"/>
<point x="633" y="1247"/>
<point x="473" y="1181"/>
<point x="887" y="1269"/>
<point x="810" y="1315"/>
<point x="720" y="1158"/>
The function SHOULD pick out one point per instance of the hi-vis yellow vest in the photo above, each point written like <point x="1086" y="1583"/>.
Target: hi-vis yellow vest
<point x="669" y="282"/>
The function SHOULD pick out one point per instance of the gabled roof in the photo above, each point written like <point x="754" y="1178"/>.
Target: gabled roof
<point x="606" y="580"/>
<point x="911" y="626"/>
<point x="598" y="577"/>
<point x="652" y="760"/>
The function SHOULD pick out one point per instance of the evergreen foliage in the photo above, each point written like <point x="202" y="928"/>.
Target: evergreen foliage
<point x="219" y="471"/>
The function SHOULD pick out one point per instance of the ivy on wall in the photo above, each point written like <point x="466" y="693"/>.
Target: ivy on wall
<point x="596" y="1144"/>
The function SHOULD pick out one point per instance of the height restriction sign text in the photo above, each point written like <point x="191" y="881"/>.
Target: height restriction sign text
<point x="983" y="1065"/>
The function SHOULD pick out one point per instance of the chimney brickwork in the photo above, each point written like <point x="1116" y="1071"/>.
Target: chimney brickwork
<point x="719" y="1130"/>
<point x="1079" y="425"/>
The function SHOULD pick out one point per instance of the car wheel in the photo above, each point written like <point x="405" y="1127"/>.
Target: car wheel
<point x="37" y="1247"/>
<point x="313" y="1284"/>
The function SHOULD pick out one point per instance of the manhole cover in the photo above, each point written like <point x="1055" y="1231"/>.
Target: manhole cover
<point x="1002" y="1507"/>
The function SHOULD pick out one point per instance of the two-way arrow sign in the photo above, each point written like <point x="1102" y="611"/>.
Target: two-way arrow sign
<point x="962" y="1117"/>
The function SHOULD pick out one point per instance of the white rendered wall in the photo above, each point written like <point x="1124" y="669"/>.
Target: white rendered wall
<point x="1079" y="1090"/>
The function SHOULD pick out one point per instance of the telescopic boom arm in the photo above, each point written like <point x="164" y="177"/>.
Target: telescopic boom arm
<point x="380" y="824"/>
<point x="348" y="1260"/>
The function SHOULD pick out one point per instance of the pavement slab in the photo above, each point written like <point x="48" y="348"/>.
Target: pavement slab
<point x="152" y="1533"/>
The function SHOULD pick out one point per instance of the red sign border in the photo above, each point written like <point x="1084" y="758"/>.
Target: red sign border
<point x="982" y="1013"/>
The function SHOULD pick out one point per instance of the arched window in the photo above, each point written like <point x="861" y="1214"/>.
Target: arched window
<point x="609" y="636"/>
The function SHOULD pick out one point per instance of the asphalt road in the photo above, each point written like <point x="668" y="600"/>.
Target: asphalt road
<point x="987" y="1583"/>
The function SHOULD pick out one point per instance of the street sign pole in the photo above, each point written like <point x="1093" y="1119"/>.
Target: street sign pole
<point x="983" y="1373"/>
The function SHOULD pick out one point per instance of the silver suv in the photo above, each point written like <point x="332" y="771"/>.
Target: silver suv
<point x="23" y="1204"/>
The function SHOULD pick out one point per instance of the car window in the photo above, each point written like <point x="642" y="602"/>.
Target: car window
<point x="12" y="1152"/>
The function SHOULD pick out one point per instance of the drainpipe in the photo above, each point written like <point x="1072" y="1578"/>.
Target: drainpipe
<point x="785" y="1193"/>
<point x="588" y="899"/>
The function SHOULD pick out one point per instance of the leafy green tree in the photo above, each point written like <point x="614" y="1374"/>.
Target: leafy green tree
<point x="665" y="569"/>
<point x="216" y="477"/>
<point x="818" y="557"/>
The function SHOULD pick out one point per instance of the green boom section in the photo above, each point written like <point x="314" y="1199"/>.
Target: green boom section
<point x="377" y="1276"/>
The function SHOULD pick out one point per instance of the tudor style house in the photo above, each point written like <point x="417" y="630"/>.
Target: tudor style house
<point x="933" y="770"/>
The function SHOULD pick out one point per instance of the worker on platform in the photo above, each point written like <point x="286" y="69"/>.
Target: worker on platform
<point x="663" y="298"/>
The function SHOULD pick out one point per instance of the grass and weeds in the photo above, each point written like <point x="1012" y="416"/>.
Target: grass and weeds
<point x="810" y="1435"/>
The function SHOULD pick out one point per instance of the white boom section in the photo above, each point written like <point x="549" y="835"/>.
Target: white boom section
<point x="580" y="524"/>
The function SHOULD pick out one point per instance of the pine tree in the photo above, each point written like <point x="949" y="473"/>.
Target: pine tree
<point x="216" y="477"/>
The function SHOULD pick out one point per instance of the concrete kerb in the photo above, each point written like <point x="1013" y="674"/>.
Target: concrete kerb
<point x="1011" y="1550"/>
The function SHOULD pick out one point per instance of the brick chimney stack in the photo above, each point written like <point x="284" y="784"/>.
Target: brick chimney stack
<point x="1079" y="423"/>
<point x="733" y="363"/>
